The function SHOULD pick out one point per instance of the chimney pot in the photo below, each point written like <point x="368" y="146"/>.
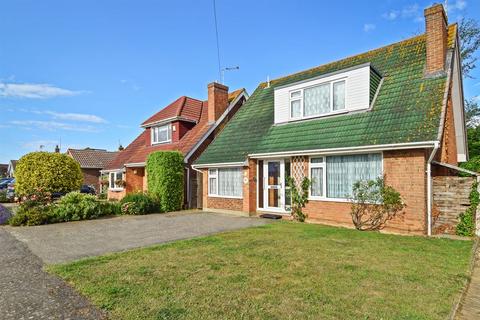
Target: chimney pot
<point x="436" y="39"/>
<point x="217" y="101"/>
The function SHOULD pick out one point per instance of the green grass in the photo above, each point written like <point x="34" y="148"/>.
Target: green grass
<point x="279" y="271"/>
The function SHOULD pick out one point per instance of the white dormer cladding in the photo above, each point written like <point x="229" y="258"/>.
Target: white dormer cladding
<point x="334" y="93"/>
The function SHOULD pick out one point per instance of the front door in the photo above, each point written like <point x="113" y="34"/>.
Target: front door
<point x="274" y="185"/>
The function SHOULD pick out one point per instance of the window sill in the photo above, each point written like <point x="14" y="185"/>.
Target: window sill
<point x="116" y="189"/>
<point x="329" y="199"/>
<point x="164" y="142"/>
<point x="226" y="197"/>
<point x="333" y="113"/>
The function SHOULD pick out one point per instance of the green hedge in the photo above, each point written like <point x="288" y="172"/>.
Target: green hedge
<point x="165" y="179"/>
<point x="139" y="203"/>
<point x="47" y="172"/>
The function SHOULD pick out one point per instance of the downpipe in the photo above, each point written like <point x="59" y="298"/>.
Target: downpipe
<point x="429" y="188"/>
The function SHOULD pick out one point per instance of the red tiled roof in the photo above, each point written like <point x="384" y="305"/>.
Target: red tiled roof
<point x="92" y="158"/>
<point x="184" y="107"/>
<point x="138" y="150"/>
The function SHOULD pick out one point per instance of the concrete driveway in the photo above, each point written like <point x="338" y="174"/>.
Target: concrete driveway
<point x="63" y="242"/>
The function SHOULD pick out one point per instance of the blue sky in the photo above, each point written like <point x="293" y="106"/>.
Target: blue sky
<point x="87" y="73"/>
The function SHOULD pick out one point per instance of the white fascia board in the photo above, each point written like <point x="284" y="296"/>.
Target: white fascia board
<point x="220" y="165"/>
<point x="135" y="164"/>
<point x="347" y="150"/>
<point x="166" y="121"/>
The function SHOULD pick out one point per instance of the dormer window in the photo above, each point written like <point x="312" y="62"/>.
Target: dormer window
<point x="340" y="92"/>
<point x="317" y="100"/>
<point x="161" y="134"/>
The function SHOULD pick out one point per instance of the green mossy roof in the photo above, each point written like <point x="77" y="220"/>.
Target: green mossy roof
<point x="407" y="109"/>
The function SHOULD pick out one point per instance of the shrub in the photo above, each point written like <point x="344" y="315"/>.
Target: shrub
<point x="5" y="214"/>
<point x="78" y="206"/>
<point x="165" y="179"/>
<point x="3" y="196"/>
<point x="139" y="203"/>
<point x="47" y="171"/>
<point x="32" y="212"/>
<point x="299" y="197"/>
<point x="466" y="225"/>
<point x="373" y="204"/>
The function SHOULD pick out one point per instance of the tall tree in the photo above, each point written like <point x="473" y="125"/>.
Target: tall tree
<point x="469" y="33"/>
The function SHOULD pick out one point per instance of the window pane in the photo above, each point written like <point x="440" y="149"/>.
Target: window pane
<point x="344" y="171"/>
<point x="230" y="182"/>
<point x="295" y="94"/>
<point x="112" y="180"/>
<point x="162" y="134"/>
<point x="316" y="160"/>
<point x="316" y="100"/>
<point x="339" y="95"/>
<point x="317" y="182"/>
<point x="295" y="109"/>
<point x="212" y="186"/>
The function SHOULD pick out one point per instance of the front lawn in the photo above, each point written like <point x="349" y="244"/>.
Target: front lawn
<point x="279" y="271"/>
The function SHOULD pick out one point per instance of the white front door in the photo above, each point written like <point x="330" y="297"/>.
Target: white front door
<point x="274" y="188"/>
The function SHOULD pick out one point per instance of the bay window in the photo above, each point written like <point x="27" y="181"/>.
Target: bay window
<point x="318" y="100"/>
<point x="114" y="177"/>
<point x="334" y="176"/>
<point x="225" y="182"/>
<point x="161" y="134"/>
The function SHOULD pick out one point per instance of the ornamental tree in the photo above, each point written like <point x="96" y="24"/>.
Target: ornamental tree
<point x="47" y="172"/>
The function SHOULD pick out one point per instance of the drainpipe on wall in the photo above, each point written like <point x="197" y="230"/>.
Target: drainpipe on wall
<point x="429" y="188"/>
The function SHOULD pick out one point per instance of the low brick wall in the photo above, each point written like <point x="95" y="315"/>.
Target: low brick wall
<point x="451" y="197"/>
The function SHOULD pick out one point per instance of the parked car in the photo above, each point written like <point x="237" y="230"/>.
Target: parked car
<point x="4" y="183"/>
<point x="11" y="190"/>
<point x="87" y="189"/>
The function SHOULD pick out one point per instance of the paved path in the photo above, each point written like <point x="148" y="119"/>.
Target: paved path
<point x="27" y="292"/>
<point x="62" y="242"/>
<point x="470" y="305"/>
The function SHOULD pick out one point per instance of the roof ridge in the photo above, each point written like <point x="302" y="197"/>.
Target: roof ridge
<point x="182" y="105"/>
<point x="345" y="58"/>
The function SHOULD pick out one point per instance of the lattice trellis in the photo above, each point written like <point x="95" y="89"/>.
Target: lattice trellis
<point x="298" y="169"/>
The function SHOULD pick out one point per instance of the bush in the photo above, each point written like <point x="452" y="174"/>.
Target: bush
<point x="466" y="225"/>
<point x="373" y="204"/>
<point x="165" y="179"/>
<point x="78" y="206"/>
<point x="47" y="171"/>
<point x="35" y="210"/>
<point x="3" y="196"/>
<point x="473" y="165"/>
<point x="139" y="203"/>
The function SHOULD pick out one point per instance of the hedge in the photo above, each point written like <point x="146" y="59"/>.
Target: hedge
<point x="165" y="179"/>
<point x="48" y="172"/>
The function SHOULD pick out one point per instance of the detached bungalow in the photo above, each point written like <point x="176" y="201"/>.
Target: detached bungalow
<point x="396" y="111"/>
<point x="187" y="125"/>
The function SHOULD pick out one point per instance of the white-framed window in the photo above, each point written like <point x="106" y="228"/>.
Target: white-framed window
<point x="318" y="100"/>
<point x="161" y="134"/>
<point x="333" y="177"/>
<point x="225" y="182"/>
<point x="113" y="178"/>
<point x="317" y="177"/>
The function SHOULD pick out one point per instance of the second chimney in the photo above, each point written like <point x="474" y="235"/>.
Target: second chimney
<point x="436" y="34"/>
<point x="217" y="101"/>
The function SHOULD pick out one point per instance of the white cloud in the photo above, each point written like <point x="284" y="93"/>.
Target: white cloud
<point x="82" y="117"/>
<point x="458" y="5"/>
<point x="40" y="144"/>
<point x="367" y="27"/>
<point x="34" y="91"/>
<point x="407" y="12"/>
<point x="52" y="126"/>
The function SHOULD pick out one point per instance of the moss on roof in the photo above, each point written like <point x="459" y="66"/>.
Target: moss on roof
<point x="407" y="109"/>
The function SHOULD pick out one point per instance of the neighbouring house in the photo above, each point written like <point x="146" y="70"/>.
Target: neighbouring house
<point x="3" y="170"/>
<point x="396" y="111"/>
<point x="11" y="168"/>
<point x="187" y="125"/>
<point x="92" y="161"/>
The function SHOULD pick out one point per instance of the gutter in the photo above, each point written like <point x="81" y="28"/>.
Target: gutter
<point x="429" y="188"/>
<point x="219" y="165"/>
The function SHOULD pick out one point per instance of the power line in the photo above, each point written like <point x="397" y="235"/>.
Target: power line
<point x="218" y="46"/>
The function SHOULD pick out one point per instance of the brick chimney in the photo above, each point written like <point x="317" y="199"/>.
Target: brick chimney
<point x="436" y="33"/>
<point x="217" y="101"/>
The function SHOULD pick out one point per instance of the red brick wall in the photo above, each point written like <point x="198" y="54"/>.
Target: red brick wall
<point x="448" y="149"/>
<point x="181" y="127"/>
<point x="216" y="202"/>
<point x="134" y="179"/>
<point x="217" y="100"/>
<point x="116" y="195"/>
<point x="91" y="177"/>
